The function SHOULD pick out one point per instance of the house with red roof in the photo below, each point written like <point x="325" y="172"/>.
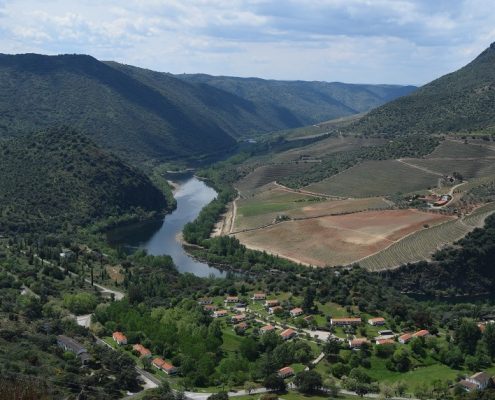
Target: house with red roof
<point x="380" y="342"/>
<point x="238" y="318"/>
<point x="405" y="338"/>
<point x="272" y="303"/>
<point x="267" y="328"/>
<point x="259" y="296"/>
<point x="160" y="363"/>
<point x="288" y="334"/>
<point x="285" y="372"/>
<point x="421" y="333"/>
<point x="143" y="351"/>
<point x="120" y="338"/>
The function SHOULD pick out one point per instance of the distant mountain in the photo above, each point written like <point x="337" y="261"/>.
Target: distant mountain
<point x="143" y="114"/>
<point x="461" y="101"/>
<point x="59" y="177"/>
<point x="290" y="104"/>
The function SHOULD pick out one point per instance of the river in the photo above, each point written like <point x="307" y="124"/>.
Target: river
<point x="161" y="237"/>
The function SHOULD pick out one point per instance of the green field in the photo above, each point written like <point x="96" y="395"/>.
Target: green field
<point x="324" y="147"/>
<point x="375" y="178"/>
<point x="472" y="168"/>
<point x="263" y="207"/>
<point x="457" y="149"/>
<point x="269" y="173"/>
<point x="421" y="244"/>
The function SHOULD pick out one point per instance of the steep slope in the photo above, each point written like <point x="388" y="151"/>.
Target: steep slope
<point x="118" y="111"/>
<point x="288" y="104"/>
<point x="58" y="177"/>
<point x="142" y="114"/>
<point x="460" y="101"/>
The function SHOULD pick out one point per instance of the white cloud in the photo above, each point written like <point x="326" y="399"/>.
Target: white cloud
<point x="396" y="41"/>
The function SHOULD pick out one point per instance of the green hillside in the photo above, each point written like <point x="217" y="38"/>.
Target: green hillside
<point x="142" y="114"/>
<point x="460" y="101"/>
<point x="119" y="112"/>
<point x="289" y="104"/>
<point x="59" y="178"/>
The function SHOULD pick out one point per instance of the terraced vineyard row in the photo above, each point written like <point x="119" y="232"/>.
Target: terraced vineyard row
<point x="270" y="173"/>
<point x="421" y="244"/>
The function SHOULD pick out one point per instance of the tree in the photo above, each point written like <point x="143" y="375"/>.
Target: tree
<point x="400" y="360"/>
<point x="331" y="348"/>
<point x="309" y="298"/>
<point x="275" y="383"/>
<point x="467" y="335"/>
<point x="331" y="387"/>
<point x="249" y="387"/>
<point x="489" y="339"/>
<point x="308" y="382"/>
<point x="219" y="396"/>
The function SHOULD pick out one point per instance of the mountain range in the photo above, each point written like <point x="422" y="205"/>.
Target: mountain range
<point x="142" y="114"/>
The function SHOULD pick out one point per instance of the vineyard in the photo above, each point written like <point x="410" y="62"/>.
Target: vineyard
<point x="326" y="147"/>
<point x="456" y="149"/>
<point x="375" y="178"/>
<point x="468" y="168"/>
<point x="421" y="244"/>
<point x="269" y="173"/>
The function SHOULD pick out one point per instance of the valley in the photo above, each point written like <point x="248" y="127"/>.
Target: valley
<point x="198" y="237"/>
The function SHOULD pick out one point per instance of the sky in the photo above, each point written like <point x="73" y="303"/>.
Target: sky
<point x="355" y="41"/>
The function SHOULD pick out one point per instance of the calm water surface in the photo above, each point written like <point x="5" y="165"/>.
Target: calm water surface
<point x="161" y="237"/>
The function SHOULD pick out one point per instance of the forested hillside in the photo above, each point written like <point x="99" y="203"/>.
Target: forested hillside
<point x="142" y="114"/>
<point x="460" y="101"/>
<point x="59" y="178"/>
<point x="302" y="103"/>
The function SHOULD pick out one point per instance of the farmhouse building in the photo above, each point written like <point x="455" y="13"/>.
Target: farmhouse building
<point x="219" y="313"/>
<point x="238" y="318"/>
<point x="272" y="303"/>
<point x="478" y="381"/>
<point x="296" y="312"/>
<point x="209" y="307"/>
<point x="204" y="301"/>
<point x="120" y="338"/>
<point x="73" y="346"/>
<point x="376" y="321"/>
<point x="285" y="372"/>
<point x="357" y="342"/>
<point x="166" y="367"/>
<point x="381" y="341"/>
<point x="421" y="333"/>
<point x="242" y="327"/>
<point x="288" y="334"/>
<point x="267" y="328"/>
<point x="406" y="338"/>
<point x="345" y="321"/>
<point x="259" y="296"/>
<point x="231" y="299"/>
<point x="143" y="351"/>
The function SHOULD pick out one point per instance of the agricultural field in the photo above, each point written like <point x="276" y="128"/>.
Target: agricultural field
<point x="457" y="149"/>
<point x="468" y="168"/>
<point x="375" y="178"/>
<point x="269" y="173"/>
<point x="421" y="244"/>
<point x="325" y="147"/>
<point x="338" y="240"/>
<point x="262" y="208"/>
